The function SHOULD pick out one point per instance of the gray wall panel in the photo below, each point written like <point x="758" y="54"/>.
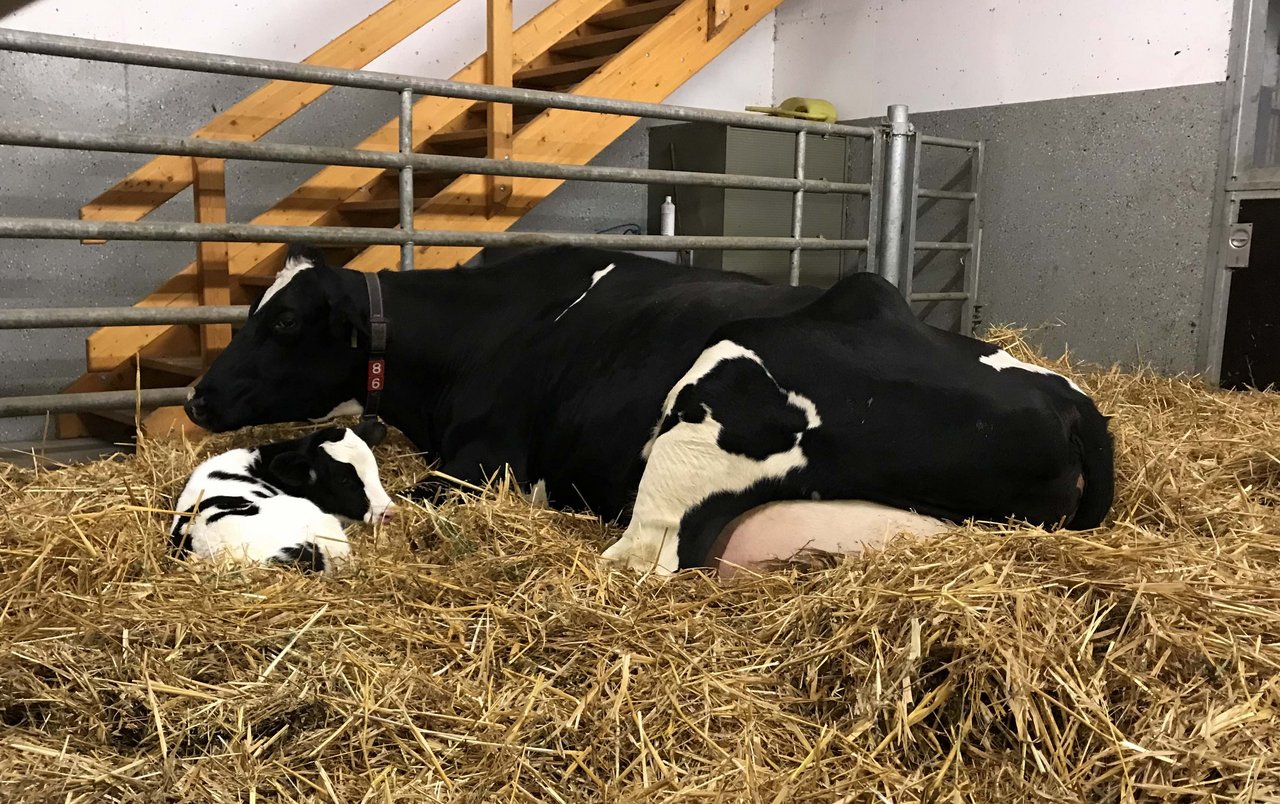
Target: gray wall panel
<point x="1097" y="214"/>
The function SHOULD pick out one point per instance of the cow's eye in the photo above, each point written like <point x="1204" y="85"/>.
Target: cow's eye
<point x="285" y="322"/>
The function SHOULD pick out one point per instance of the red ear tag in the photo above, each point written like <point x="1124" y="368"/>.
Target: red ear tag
<point x="377" y="374"/>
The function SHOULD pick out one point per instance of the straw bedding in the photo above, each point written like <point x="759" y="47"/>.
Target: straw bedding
<point x="476" y="653"/>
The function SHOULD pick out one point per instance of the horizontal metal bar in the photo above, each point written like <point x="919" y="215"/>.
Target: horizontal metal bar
<point x="121" y="53"/>
<point x="947" y="142"/>
<point x="52" y="229"/>
<point x="925" y="245"/>
<point x="947" y="195"/>
<point x="62" y="317"/>
<point x="935" y="297"/>
<point x="98" y="400"/>
<point x="320" y="155"/>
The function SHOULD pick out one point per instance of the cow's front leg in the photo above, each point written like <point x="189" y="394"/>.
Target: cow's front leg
<point x="728" y="432"/>
<point x="469" y="471"/>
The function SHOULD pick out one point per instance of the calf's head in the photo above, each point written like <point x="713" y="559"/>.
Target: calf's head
<point x="301" y="355"/>
<point x="333" y="468"/>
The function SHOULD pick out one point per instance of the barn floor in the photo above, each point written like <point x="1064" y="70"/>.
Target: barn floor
<point x="477" y="653"/>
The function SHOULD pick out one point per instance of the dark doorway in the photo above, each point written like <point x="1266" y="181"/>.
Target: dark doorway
<point x="1251" y="342"/>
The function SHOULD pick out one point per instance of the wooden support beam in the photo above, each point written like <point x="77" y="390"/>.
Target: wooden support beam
<point x="500" y="69"/>
<point x="142" y="191"/>
<point x="649" y="69"/>
<point x="316" y="201"/>
<point x="210" y="193"/>
<point x="717" y="16"/>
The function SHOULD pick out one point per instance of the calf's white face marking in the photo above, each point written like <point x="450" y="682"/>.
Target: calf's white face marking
<point x="292" y="267"/>
<point x="351" y="450"/>
<point x="1002" y="360"/>
<point x="686" y="466"/>
<point x="596" y="277"/>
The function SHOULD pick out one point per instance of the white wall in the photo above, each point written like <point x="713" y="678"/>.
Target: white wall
<point x="952" y="54"/>
<point x="293" y="29"/>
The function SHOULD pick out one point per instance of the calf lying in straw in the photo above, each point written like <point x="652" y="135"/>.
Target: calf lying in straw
<point x="285" y="502"/>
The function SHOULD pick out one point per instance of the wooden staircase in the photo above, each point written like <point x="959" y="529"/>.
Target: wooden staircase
<point x="638" y="50"/>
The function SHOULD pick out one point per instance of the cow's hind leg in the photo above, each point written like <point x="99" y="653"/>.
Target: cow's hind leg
<point x="726" y="429"/>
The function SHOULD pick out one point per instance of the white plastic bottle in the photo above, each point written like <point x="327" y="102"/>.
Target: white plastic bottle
<point x="668" y="219"/>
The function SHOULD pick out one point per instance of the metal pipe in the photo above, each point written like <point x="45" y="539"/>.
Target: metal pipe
<point x="66" y="317"/>
<point x="926" y="245"/>
<point x="947" y="195"/>
<point x="973" y="259"/>
<point x="52" y="229"/>
<point x="947" y="142"/>
<point x="406" y="179"/>
<point x="936" y="297"/>
<point x="98" y="400"/>
<point x="436" y="163"/>
<point x="909" y="239"/>
<point x="895" y="195"/>
<point x="120" y="53"/>
<point x="875" y="203"/>
<point x="797" y="209"/>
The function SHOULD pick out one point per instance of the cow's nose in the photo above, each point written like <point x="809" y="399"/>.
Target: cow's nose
<point x="197" y="408"/>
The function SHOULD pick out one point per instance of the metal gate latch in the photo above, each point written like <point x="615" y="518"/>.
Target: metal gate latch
<point x="1239" y="238"/>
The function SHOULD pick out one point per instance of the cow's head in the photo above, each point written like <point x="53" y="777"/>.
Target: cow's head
<point x="333" y="468"/>
<point x="300" y="356"/>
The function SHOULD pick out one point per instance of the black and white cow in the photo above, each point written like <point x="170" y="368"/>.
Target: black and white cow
<point x="285" y="502"/>
<point x="678" y="396"/>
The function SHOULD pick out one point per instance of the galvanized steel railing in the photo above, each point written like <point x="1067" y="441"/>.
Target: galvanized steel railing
<point x="892" y="194"/>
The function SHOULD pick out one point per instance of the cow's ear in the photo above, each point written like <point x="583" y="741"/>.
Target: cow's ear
<point x="346" y="311"/>
<point x="371" y="432"/>
<point x="293" y="469"/>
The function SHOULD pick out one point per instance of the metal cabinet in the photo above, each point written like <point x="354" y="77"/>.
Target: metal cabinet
<point x="727" y="212"/>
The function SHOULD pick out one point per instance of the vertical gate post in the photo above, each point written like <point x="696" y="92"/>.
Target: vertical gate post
<point x="797" y="207"/>
<point x="209" y="189"/>
<point x="501" y="122"/>
<point x="406" y="178"/>
<point x="895" y="255"/>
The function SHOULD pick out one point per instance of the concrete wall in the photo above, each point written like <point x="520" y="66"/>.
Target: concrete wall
<point x="953" y="54"/>
<point x="1102" y="122"/>
<point x="1097" y="218"/>
<point x="74" y="95"/>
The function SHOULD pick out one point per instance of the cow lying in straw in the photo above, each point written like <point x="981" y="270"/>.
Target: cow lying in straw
<point x="285" y="502"/>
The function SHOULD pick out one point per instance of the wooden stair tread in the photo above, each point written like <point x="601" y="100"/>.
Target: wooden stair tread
<point x="256" y="280"/>
<point x="124" y="417"/>
<point x="560" y="74"/>
<point x="600" y="44"/>
<point x="631" y="16"/>
<point x="182" y="366"/>
<point x="381" y="204"/>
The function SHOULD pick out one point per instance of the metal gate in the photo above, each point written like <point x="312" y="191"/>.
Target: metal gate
<point x="892" y="196"/>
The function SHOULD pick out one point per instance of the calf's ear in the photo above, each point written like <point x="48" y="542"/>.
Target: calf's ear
<point x="371" y="432"/>
<point x="294" y="469"/>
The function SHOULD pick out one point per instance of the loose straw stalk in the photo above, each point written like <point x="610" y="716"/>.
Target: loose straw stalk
<point x="476" y="652"/>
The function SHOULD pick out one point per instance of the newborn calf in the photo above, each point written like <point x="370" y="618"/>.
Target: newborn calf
<point x="284" y="502"/>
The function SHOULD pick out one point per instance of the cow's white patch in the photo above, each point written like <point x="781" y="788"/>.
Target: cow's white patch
<point x="348" y="408"/>
<point x="711" y="357"/>
<point x="1002" y="360"/>
<point x="350" y="449"/>
<point x="686" y="466"/>
<point x="292" y="267"/>
<point x="596" y="277"/>
<point x="537" y="496"/>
